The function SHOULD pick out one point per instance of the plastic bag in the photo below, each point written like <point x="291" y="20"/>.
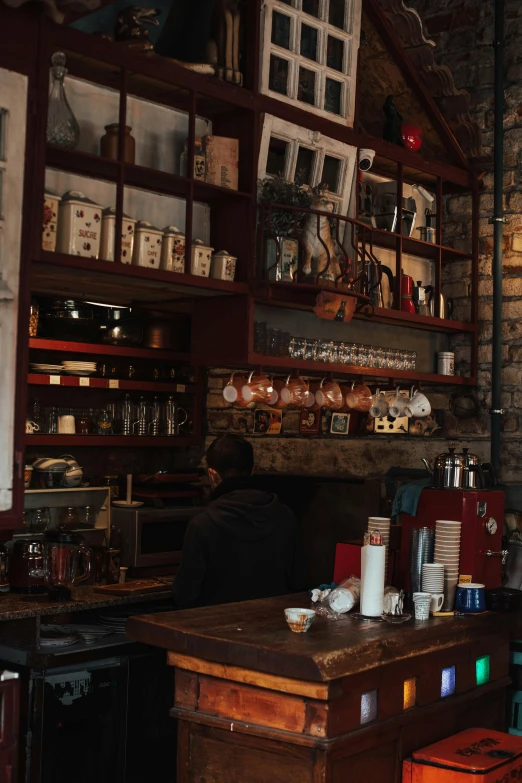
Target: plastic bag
<point x="336" y="602"/>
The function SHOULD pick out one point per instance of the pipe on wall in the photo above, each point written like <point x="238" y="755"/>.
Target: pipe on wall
<point x="498" y="222"/>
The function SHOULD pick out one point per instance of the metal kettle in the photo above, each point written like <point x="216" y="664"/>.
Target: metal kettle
<point x="447" y="470"/>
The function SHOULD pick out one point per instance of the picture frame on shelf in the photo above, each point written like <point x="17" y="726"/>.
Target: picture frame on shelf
<point x="340" y="423"/>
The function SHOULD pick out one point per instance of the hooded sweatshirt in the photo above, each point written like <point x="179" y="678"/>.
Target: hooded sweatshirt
<point x="244" y="545"/>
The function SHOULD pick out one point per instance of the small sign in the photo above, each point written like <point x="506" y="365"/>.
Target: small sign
<point x="180" y="388"/>
<point x="55" y="380"/>
<point x="340" y="423"/>
<point x="335" y="307"/>
<point x="310" y="421"/>
<point x="85" y="382"/>
<point x="114" y="384"/>
<point x="267" y="421"/>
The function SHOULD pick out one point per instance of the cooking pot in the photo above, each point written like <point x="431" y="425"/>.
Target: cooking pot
<point x="50" y="472"/>
<point x="460" y="471"/>
<point x="70" y="320"/>
<point x="122" y="328"/>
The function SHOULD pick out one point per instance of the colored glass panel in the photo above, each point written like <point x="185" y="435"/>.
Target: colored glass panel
<point x="410" y="693"/>
<point x="482" y="669"/>
<point x="368" y="707"/>
<point x="447" y="683"/>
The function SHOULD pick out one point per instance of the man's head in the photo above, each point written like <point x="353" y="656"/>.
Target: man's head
<point x="229" y="456"/>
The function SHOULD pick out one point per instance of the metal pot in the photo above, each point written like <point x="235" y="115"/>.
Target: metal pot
<point x="448" y="470"/>
<point x="70" y="320"/>
<point x="471" y="476"/>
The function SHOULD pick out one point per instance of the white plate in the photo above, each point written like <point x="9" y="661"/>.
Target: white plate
<point x="80" y="372"/>
<point x="124" y="504"/>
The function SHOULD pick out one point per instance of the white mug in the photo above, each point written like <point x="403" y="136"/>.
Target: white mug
<point x="437" y="599"/>
<point x="66" y="425"/>
<point x="380" y="407"/>
<point x="31" y="426"/>
<point x="419" y="406"/>
<point x="399" y="404"/>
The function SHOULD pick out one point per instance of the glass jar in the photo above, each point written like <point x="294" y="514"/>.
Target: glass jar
<point x="34" y="315"/>
<point x="62" y="126"/>
<point x="69" y="519"/>
<point x="109" y="143"/>
<point x="89" y="516"/>
<point x="39" y="520"/>
<point x="103" y="422"/>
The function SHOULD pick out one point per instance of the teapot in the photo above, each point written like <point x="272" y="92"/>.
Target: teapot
<point x="459" y="471"/>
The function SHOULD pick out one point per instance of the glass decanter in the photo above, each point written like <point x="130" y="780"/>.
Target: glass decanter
<point x="62" y="126"/>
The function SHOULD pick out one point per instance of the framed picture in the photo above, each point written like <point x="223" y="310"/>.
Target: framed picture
<point x="340" y="423"/>
<point x="310" y="422"/>
<point x="267" y="421"/>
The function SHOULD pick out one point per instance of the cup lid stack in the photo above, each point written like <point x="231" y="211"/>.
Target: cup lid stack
<point x="382" y="526"/>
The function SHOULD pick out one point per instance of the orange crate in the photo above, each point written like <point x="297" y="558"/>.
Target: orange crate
<point x="478" y="755"/>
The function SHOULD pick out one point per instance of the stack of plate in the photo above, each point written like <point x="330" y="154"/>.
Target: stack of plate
<point x="447" y="551"/>
<point x="422" y="539"/>
<point x="433" y="578"/>
<point x="90" y="633"/>
<point x="57" y="636"/>
<point x="79" y="368"/>
<point x="48" y="369"/>
<point x="113" y="623"/>
<point x="381" y="525"/>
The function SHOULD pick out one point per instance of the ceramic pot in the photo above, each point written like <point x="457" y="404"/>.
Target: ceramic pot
<point x="109" y="143"/>
<point x="108" y="236"/>
<point x="79" y="225"/>
<point x="173" y="250"/>
<point x="147" y="245"/>
<point x="50" y="220"/>
<point x="223" y="266"/>
<point x="200" y="259"/>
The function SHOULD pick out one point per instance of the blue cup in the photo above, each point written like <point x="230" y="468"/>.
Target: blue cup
<point x="470" y="598"/>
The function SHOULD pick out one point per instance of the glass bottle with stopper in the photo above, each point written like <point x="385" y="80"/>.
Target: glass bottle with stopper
<point x="62" y="126"/>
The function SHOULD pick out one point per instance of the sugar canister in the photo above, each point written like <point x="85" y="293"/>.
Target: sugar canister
<point x="173" y="250"/>
<point x="108" y="236"/>
<point x="201" y="259"/>
<point x="79" y="225"/>
<point x="50" y="220"/>
<point x="147" y="245"/>
<point x="223" y="266"/>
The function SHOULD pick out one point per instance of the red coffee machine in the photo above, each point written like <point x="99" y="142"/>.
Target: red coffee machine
<point x="482" y="515"/>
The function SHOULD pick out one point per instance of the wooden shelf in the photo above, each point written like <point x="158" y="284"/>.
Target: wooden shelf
<point x="283" y="363"/>
<point x="111" y="441"/>
<point x="64" y="346"/>
<point x="415" y="247"/>
<point x="75" y="381"/>
<point x="83" y="163"/>
<point x="58" y="274"/>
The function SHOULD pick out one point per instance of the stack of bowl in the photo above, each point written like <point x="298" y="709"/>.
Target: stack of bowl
<point x="381" y="525"/>
<point x="447" y="551"/>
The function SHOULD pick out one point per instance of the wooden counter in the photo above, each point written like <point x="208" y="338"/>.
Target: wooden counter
<point x="259" y="704"/>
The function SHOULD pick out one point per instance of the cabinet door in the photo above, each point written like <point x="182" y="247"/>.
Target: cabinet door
<point x="13" y="116"/>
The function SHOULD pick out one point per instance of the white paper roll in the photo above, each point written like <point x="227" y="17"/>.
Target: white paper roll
<point x="373" y="560"/>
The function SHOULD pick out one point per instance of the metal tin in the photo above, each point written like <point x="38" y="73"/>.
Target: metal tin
<point x="223" y="266"/>
<point x="173" y="250"/>
<point x="50" y="220"/>
<point x="147" y="245"/>
<point x="79" y="225"/>
<point x="108" y="236"/>
<point x="200" y="259"/>
<point x="446" y="363"/>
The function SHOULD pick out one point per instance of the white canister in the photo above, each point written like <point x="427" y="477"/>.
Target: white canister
<point x="201" y="259"/>
<point x="446" y="363"/>
<point x="50" y="220"/>
<point x="223" y="266"/>
<point x="173" y="250"/>
<point x="79" y="225"/>
<point x="108" y="236"/>
<point x="147" y="245"/>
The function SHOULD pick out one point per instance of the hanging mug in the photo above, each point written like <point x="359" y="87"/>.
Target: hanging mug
<point x="232" y="392"/>
<point x="329" y="395"/>
<point x="295" y="392"/>
<point x="380" y="406"/>
<point x="360" y="398"/>
<point x="418" y="406"/>
<point x="31" y="426"/>
<point x="399" y="404"/>
<point x="258" y="388"/>
<point x="275" y="399"/>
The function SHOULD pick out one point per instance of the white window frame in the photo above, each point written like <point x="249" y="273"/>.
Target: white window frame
<point x="295" y="137"/>
<point x="346" y="78"/>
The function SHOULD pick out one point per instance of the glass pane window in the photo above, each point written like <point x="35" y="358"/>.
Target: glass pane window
<point x="331" y="173"/>
<point x="447" y="682"/>
<point x="281" y="30"/>
<point x="278" y="78"/>
<point x="337" y="13"/>
<point x="311" y="7"/>
<point x="309" y="42"/>
<point x="3" y="131"/>
<point x="334" y="53"/>
<point x="276" y="160"/>
<point x="306" y="86"/>
<point x="332" y="96"/>
<point x="304" y="166"/>
<point x="368" y="707"/>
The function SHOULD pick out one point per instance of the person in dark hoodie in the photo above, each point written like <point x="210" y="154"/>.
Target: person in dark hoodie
<point x="244" y="544"/>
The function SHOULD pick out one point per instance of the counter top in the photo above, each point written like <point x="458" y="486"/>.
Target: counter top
<point x="14" y="606"/>
<point x="254" y="635"/>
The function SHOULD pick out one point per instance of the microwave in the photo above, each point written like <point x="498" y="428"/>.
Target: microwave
<point x="151" y="536"/>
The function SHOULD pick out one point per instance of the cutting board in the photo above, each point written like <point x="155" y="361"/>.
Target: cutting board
<point x="133" y="588"/>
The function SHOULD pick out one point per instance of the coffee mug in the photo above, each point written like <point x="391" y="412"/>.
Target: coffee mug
<point x="258" y="388"/>
<point x="31" y="426"/>
<point x="66" y="425"/>
<point x="380" y="406"/>
<point x="437" y="599"/>
<point x="329" y="395"/>
<point x="310" y="402"/>
<point x="419" y="406"/>
<point x="360" y="398"/>
<point x="471" y="597"/>
<point x="275" y="400"/>
<point x="399" y="404"/>
<point x="295" y="392"/>
<point x="232" y="392"/>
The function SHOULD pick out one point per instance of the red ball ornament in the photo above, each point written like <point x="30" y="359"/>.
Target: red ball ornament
<point x="411" y="136"/>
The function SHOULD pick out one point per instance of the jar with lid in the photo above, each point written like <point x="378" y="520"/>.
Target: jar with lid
<point x="69" y="519"/>
<point x="34" y="315"/>
<point x="109" y="143"/>
<point x="104" y="422"/>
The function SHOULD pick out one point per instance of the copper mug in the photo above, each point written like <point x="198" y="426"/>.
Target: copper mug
<point x="329" y="395"/>
<point x="360" y="398"/>
<point x="275" y="400"/>
<point x="232" y="392"/>
<point x="295" y="392"/>
<point x="258" y="388"/>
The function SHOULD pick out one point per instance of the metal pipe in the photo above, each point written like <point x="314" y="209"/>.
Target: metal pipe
<point x="498" y="222"/>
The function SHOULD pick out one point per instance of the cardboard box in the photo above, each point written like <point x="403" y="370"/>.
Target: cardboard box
<point x="222" y="161"/>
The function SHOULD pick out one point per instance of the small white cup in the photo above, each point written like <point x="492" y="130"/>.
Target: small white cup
<point x="422" y="602"/>
<point x="31" y="426"/>
<point x="419" y="406"/>
<point x="399" y="404"/>
<point x="380" y="407"/>
<point x="66" y="425"/>
<point x="299" y="620"/>
<point x="437" y="599"/>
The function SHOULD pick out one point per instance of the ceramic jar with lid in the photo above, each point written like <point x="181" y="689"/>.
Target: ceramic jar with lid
<point x="79" y="225"/>
<point x="200" y="259"/>
<point x="50" y="220"/>
<point x="108" y="236"/>
<point x="223" y="266"/>
<point x="109" y="143"/>
<point x="173" y="250"/>
<point x="147" y="245"/>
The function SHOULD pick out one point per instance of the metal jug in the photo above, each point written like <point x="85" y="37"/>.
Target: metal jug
<point x="171" y="417"/>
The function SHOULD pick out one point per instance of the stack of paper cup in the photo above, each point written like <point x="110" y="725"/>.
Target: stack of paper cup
<point x="447" y="551"/>
<point x="382" y="526"/>
<point x="433" y="583"/>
